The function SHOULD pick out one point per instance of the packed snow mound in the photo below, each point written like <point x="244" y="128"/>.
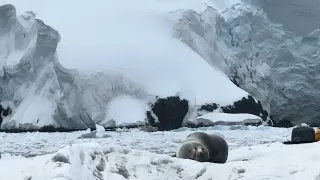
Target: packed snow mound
<point x="215" y="118"/>
<point x="144" y="63"/>
<point x="91" y="161"/>
<point x="275" y="65"/>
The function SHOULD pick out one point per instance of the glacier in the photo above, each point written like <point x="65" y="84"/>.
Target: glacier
<point x="276" y="64"/>
<point x="74" y="85"/>
<point x="187" y="49"/>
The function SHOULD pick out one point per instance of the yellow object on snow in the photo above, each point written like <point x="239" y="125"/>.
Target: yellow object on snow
<point x="318" y="135"/>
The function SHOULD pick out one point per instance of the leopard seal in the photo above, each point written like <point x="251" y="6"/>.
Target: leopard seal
<point x="203" y="147"/>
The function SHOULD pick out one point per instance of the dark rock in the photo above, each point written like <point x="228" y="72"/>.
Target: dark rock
<point x="170" y="112"/>
<point x="284" y="123"/>
<point x="253" y="123"/>
<point x="50" y="129"/>
<point x="129" y="126"/>
<point x="315" y="124"/>
<point x="245" y="105"/>
<point x="198" y="125"/>
<point x="4" y="112"/>
<point x="234" y="80"/>
<point x="209" y="107"/>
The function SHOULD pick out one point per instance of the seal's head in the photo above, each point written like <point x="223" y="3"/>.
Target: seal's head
<point x="193" y="150"/>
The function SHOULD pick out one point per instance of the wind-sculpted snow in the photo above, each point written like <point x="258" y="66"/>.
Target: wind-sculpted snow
<point x="277" y="67"/>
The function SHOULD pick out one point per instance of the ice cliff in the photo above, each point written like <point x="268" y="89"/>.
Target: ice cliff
<point x="38" y="92"/>
<point x="277" y="67"/>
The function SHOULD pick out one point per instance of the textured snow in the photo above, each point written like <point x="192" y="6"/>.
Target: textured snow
<point x="54" y="78"/>
<point x="255" y="153"/>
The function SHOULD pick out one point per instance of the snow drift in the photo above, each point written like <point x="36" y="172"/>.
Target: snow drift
<point x="50" y="78"/>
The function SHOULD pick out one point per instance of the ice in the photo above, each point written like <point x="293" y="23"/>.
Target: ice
<point x="100" y="130"/>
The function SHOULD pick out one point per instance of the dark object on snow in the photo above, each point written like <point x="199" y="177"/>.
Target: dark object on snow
<point x="4" y="112"/>
<point x="245" y="105"/>
<point x="302" y="134"/>
<point x="284" y="123"/>
<point x="170" y="112"/>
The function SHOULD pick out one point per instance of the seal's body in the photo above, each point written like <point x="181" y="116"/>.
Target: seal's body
<point x="203" y="147"/>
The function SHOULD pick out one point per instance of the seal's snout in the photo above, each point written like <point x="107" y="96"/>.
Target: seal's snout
<point x="201" y="154"/>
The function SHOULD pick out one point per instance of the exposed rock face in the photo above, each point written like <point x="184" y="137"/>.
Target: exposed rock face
<point x="284" y="123"/>
<point x="274" y="65"/>
<point x="245" y="105"/>
<point x="170" y="113"/>
<point x="5" y="110"/>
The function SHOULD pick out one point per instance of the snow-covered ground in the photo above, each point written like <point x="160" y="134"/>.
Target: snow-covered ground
<point x="256" y="153"/>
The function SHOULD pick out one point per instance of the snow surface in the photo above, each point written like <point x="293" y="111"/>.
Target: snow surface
<point x="216" y="118"/>
<point x="256" y="153"/>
